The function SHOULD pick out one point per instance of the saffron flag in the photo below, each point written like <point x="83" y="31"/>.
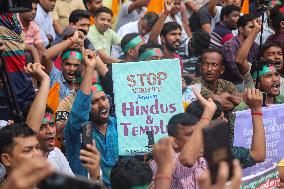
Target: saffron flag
<point x="156" y="6"/>
<point x="245" y="7"/>
<point x="146" y="95"/>
<point x="53" y="97"/>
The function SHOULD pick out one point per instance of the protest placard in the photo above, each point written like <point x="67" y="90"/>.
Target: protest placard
<point x="273" y="119"/>
<point x="146" y="95"/>
<point x="268" y="179"/>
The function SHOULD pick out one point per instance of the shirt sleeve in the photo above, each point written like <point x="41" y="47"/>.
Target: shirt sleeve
<point x="229" y="52"/>
<point x="37" y="36"/>
<point x="243" y="154"/>
<point x="204" y="16"/>
<point x="116" y="39"/>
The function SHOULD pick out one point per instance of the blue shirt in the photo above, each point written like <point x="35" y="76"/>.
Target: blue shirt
<point x="107" y="145"/>
<point x="57" y="76"/>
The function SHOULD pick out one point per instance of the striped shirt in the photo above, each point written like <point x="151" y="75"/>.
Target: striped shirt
<point x="184" y="177"/>
<point x="220" y="35"/>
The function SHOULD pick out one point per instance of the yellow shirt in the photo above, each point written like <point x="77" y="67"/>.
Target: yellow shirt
<point x="63" y="9"/>
<point x="103" y="41"/>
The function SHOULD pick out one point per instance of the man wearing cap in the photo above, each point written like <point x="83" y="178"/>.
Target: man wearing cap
<point x="91" y="105"/>
<point x="277" y="21"/>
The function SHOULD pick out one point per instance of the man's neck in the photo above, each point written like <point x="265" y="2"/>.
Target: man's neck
<point x="100" y="31"/>
<point x="102" y="128"/>
<point x="167" y="53"/>
<point x="24" y="23"/>
<point x="44" y="9"/>
<point x="212" y="85"/>
<point x="269" y="100"/>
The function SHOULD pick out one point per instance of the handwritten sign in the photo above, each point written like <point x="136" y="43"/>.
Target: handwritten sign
<point x="273" y="119"/>
<point x="146" y="95"/>
<point x="268" y="179"/>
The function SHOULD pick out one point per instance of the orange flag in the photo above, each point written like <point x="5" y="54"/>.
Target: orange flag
<point x="115" y="7"/>
<point x="245" y="7"/>
<point x="156" y="6"/>
<point x="53" y="97"/>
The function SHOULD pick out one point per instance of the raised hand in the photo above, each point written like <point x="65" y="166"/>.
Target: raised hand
<point x="209" y="105"/>
<point x="253" y="98"/>
<point x="89" y="58"/>
<point x="162" y="154"/>
<point x="92" y="158"/>
<point x="204" y="181"/>
<point x="78" y="37"/>
<point x="168" y="5"/>
<point x="257" y="25"/>
<point x="36" y="71"/>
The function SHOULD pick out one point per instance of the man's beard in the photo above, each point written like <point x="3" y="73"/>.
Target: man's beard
<point x="97" y="120"/>
<point x="171" y="47"/>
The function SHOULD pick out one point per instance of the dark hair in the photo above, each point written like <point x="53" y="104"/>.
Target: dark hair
<point x="35" y="1"/>
<point x="150" y="18"/>
<point x="168" y="27"/>
<point x="200" y="41"/>
<point x="183" y="119"/>
<point x="267" y="45"/>
<point x="77" y="15"/>
<point x="197" y="109"/>
<point x="245" y="19"/>
<point x="127" y="38"/>
<point x="149" y="45"/>
<point x="276" y="17"/>
<point x="263" y="62"/>
<point x="8" y="133"/>
<point x="211" y="50"/>
<point x="103" y="9"/>
<point x="128" y="173"/>
<point x="228" y="10"/>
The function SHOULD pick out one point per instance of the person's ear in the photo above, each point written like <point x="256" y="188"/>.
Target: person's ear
<point x="163" y="40"/>
<point x="175" y="144"/>
<point x="282" y="24"/>
<point x="131" y="52"/>
<point x="6" y="159"/>
<point x="241" y="29"/>
<point x="222" y="69"/>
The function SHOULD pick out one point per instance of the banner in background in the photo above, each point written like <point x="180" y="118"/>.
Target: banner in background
<point x="146" y="95"/>
<point x="268" y="179"/>
<point x="273" y="119"/>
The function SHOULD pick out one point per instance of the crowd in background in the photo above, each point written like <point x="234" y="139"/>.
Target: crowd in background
<point x="70" y="46"/>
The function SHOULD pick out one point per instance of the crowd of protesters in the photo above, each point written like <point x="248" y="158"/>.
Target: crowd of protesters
<point x="72" y="44"/>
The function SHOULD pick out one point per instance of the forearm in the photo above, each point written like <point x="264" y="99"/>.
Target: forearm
<point x="41" y="49"/>
<point x="156" y="30"/>
<point x="34" y="52"/>
<point x="212" y="7"/>
<point x="163" y="183"/>
<point x="87" y="81"/>
<point x="258" y="145"/>
<point x="57" y="27"/>
<point x="236" y="100"/>
<point x="227" y="105"/>
<point x="38" y="107"/>
<point x="101" y="67"/>
<point x="190" y="5"/>
<point x="242" y="54"/>
<point x="107" y="59"/>
<point x="53" y="51"/>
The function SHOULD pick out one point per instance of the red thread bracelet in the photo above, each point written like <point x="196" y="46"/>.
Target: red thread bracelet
<point x="159" y="176"/>
<point x="256" y="113"/>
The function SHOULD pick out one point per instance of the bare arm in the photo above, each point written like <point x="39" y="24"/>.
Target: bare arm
<point x="53" y="51"/>
<point x="137" y="5"/>
<point x="253" y="98"/>
<point x="106" y="58"/>
<point x="206" y="27"/>
<point x="241" y="57"/>
<point x="38" y="107"/>
<point x="57" y="27"/>
<point x="90" y="63"/>
<point x="190" y="153"/>
<point x="184" y="20"/>
<point x="156" y="30"/>
<point x="212" y="7"/>
<point x="41" y="49"/>
<point x="101" y="67"/>
<point x="191" y="5"/>
<point x="33" y="51"/>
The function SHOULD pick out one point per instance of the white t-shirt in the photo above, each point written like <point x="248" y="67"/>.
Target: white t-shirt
<point x="57" y="159"/>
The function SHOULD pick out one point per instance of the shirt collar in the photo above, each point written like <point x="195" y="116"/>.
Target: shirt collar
<point x="41" y="10"/>
<point x="98" y="33"/>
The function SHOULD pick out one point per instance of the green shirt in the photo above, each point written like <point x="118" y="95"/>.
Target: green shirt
<point x="103" y="41"/>
<point x="222" y="87"/>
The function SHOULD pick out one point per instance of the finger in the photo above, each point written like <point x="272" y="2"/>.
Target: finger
<point x="223" y="175"/>
<point x="89" y="160"/>
<point x="237" y="176"/>
<point x="204" y="181"/>
<point x="201" y="99"/>
<point x="87" y="153"/>
<point x="249" y="94"/>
